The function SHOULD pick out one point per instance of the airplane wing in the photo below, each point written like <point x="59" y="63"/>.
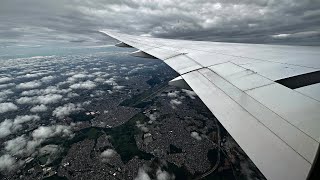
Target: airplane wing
<point x="266" y="96"/>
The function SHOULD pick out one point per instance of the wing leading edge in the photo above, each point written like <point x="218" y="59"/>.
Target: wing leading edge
<point x="278" y="127"/>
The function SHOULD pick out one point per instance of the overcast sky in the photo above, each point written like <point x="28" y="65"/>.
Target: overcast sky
<point x="78" y="21"/>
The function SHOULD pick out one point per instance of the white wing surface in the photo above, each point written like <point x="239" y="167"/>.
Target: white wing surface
<point x="266" y="96"/>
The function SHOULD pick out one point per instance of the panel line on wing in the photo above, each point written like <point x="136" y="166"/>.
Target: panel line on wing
<point x="307" y="159"/>
<point x="225" y="74"/>
<point x="211" y="52"/>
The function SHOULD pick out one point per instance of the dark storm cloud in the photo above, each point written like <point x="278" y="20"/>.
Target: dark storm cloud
<point x="255" y="21"/>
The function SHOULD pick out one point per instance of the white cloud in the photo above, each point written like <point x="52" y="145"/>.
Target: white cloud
<point x="45" y="99"/>
<point x="55" y="90"/>
<point x="16" y="146"/>
<point x="49" y="98"/>
<point x="142" y="127"/>
<point x="2" y="86"/>
<point x="164" y="175"/>
<point x="25" y="118"/>
<point x="7" y="106"/>
<point x="5" y="79"/>
<point x="9" y="126"/>
<point x="49" y="149"/>
<point x="173" y="94"/>
<point x="29" y="85"/>
<point x="191" y="94"/>
<point x="71" y="95"/>
<point x="48" y="90"/>
<point x="31" y="75"/>
<point x="79" y="76"/>
<point x="117" y="87"/>
<point x="32" y="92"/>
<point x="111" y="81"/>
<point x="84" y="85"/>
<point x="47" y="79"/>
<point x="5" y="128"/>
<point x="152" y="117"/>
<point x="175" y="102"/>
<point x="5" y="93"/>
<point x="23" y="146"/>
<point x="39" y="108"/>
<point x="159" y="174"/>
<point x="7" y="162"/>
<point x="142" y="175"/>
<point x="42" y="133"/>
<point x="196" y="135"/>
<point x="67" y="109"/>
<point x="45" y="132"/>
<point x="107" y="154"/>
<point x="99" y="79"/>
<point x="27" y="100"/>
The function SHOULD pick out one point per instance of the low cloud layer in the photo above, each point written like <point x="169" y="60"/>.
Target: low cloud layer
<point x="24" y="146"/>
<point x="9" y="126"/>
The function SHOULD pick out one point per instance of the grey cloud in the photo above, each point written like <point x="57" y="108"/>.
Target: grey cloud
<point x="73" y="21"/>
